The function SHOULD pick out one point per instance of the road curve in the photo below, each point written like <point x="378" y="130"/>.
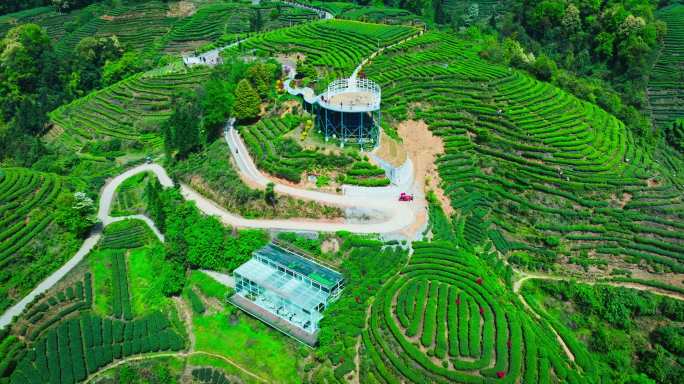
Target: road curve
<point x="106" y="198"/>
<point x="397" y="215"/>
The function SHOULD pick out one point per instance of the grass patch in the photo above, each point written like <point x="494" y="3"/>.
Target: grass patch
<point x="146" y="289"/>
<point x="250" y="344"/>
<point x="129" y="199"/>
<point x="100" y="263"/>
<point x="208" y="286"/>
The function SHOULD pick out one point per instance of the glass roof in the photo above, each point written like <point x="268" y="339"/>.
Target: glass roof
<point x="296" y="291"/>
<point x="323" y="275"/>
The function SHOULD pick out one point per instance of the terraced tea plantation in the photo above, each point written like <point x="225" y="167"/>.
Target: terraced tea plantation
<point x="83" y="345"/>
<point x="31" y="243"/>
<point x="60" y="339"/>
<point x="666" y="82"/>
<point x="136" y="26"/>
<point x="131" y="109"/>
<point x="277" y="153"/>
<point x="53" y="22"/>
<point x="340" y="45"/>
<point x="156" y="27"/>
<point x="549" y="178"/>
<point x="223" y="22"/>
<point x="445" y="318"/>
<point x="126" y="235"/>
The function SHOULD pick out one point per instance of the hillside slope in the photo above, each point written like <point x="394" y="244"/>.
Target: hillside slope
<point x="32" y="244"/>
<point x="666" y="82"/>
<point x="547" y="177"/>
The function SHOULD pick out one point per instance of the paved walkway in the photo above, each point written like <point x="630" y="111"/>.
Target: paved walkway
<point x="210" y="58"/>
<point x="322" y="13"/>
<point x="395" y="215"/>
<point x="223" y="278"/>
<point x="398" y="216"/>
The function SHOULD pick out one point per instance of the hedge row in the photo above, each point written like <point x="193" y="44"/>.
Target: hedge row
<point x="81" y="346"/>
<point x="195" y="302"/>
<point x="467" y="331"/>
<point x="209" y="376"/>
<point x="121" y="299"/>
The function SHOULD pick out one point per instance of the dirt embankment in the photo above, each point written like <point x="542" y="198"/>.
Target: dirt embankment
<point x="181" y="9"/>
<point x="423" y="148"/>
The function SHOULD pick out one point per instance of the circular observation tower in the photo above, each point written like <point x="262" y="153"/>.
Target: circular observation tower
<point x="349" y="111"/>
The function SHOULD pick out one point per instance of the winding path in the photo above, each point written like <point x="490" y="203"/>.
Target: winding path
<point x="399" y="216"/>
<point x="517" y="285"/>
<point x="173" y="354"/>
<point x="213" y="57"/>
<point x="395" y="216"/>
<point x="106" y="198"/>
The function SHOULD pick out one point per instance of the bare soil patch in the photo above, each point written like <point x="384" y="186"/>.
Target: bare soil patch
<point x="185" y="46"/>
<point x="289" y="107"/>
<point x="132" y="15"/>
<point x="181" y="9"/>
<point x="675" y="279"/>
<point x="330" y="246"/>
<point x="626" y="198"/>
<point x="423" y="148"/>
<point x="186" y="316"/>
<point x="391" y="151"/>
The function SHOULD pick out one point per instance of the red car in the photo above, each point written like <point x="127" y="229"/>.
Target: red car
<point x="405" y="197"/>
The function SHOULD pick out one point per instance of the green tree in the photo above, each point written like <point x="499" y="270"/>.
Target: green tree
<point x="115" y="70"/>
<point x="255" y="21"/>
<point x="27" y="77"/>
<point x="67" y="5"/>
<point x="247" y="102"/>
<point x="182" y="130"/>
<point x="217" y="101"/>
<point x="571" y="22"/>
<point x="9" y="6"/>
<point x="441" y="16"/>
<point x="262" y="77"/>
<point x="76" y="213"/>
<point x="544" y="68"/>
<point x="604" y="44"/>
<point x="98" y="50"/>
<point x="675" y="135"/>
<point x="89" y="58"/>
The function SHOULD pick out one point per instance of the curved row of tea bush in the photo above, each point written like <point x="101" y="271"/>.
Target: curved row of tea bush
<point x="30" y="238"/>
<point x="281" y="156"/>
<point x="665" y="89"/>
<point x="132" y="109"/>
<point x="82" y="345"/>
<point x="132" y="234"/>
<point x="340" y="45"/>
<point x="525" y="157"/>
<point x="454" y="321"/>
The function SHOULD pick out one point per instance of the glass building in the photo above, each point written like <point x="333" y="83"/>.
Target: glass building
<point x="286" y="290"/>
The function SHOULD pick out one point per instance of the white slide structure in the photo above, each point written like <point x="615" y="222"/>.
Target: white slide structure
<point x="389" y="215"/>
